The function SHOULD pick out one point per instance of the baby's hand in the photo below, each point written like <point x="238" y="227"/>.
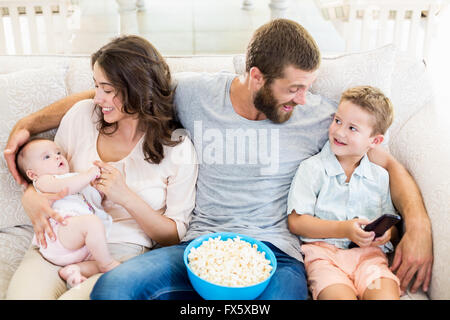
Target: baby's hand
<point x="356" y="234"/>
<point x="94" y="173"/>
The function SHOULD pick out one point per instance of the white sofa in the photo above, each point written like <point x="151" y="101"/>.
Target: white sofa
<point x="417" y="137"/>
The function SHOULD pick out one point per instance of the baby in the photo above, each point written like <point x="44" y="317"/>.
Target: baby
<point x="335" y="193"/>
<point x="80" y="246"/>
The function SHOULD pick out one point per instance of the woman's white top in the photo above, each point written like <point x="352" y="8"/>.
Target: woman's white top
<point x="168" y="186"/>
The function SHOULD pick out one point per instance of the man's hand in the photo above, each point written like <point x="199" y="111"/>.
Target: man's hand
<point x="414" y="255"/>
<point x="17" y="138"/>
<point x="38" y="207"/>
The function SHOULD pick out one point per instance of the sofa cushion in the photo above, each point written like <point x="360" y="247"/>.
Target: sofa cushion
<point x="411" y="90"/>
<point x="421" y="147"/>
<point x="337" y="74"/>
<point x="199" y="63"/>
<point x="79" y="75"/>
<point x="9" y="63"/>
<point x="22" y="93"/>
<point x="15" y="242"/>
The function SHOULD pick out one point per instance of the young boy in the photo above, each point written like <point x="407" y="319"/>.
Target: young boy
<point x="81" y="244"/>
<point x="338" y="191"/>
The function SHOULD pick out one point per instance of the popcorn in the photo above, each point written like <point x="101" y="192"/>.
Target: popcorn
<point x="231" y="262"/>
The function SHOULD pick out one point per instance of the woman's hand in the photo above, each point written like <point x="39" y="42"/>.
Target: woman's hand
<point x="111" y="183"/>
<point x="94" y="173"/>
<point x="38" y="208"/>
<point x="354" y="232"/>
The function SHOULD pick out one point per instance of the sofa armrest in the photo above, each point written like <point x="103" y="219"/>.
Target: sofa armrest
<point x="423" y="147"/>
<point x="14" y="243"/>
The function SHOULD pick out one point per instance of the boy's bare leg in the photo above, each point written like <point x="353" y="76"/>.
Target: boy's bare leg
<point x="337" y="292"/>
<point x="382" y="289"/>
<point x="85" y="230"/>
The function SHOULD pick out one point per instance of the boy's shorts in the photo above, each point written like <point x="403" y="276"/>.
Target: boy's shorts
<point x="357" y="268"/>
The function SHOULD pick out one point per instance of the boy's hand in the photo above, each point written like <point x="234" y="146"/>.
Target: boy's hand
<point x="383" y="239"/>
<point x="354" y="232"/>
<point x="17" y="138"/>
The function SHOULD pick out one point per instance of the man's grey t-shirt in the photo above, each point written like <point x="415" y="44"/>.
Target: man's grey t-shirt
<point x="245" y="167"/>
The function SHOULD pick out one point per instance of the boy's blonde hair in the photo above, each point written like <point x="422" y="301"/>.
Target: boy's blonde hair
<point x="373" y="101"/>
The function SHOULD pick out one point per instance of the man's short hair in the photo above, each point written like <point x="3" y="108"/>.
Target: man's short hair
<point x="281" y="43"/>
<point x="373" y="101"/>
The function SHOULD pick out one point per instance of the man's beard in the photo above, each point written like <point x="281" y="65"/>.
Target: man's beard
<point x="265" y="102"/>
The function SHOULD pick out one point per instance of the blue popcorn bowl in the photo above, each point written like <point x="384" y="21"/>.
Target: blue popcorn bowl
<point x="211" y="291"/>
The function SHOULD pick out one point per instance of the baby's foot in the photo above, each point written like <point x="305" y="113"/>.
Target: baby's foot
<point x="109" y="266"/>
<point x="72" y="275"/>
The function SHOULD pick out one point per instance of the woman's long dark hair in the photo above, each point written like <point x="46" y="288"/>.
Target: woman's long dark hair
<point x="141" y="77"/>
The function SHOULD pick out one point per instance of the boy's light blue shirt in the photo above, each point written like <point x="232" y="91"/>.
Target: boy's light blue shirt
<point x="319" y="189"/>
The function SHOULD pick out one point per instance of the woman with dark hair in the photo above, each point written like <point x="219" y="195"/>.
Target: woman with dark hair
<point x="148" y="171"/>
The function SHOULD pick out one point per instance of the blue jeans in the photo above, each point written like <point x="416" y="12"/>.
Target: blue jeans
<point x="161" y="274"/>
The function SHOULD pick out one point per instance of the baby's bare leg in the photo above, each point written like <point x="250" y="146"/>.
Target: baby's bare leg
<point x="75" y="274"/>
<point x="88" y="230"/>
<point x="72" y="274"/>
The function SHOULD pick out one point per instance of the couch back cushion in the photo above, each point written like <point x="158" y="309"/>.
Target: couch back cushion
<point x="337" y="74"/>
<point x="411" y="90"/>
<point x="22" y="93"/>
<point x="79" y="75"/>
<point x="200" y="63"/>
